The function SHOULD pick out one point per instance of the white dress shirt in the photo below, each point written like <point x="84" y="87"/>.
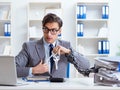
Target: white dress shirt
<point x="47" y="61"/>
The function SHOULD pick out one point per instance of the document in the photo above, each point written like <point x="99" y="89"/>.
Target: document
<point x="37" y="78"/>
<point x="106" y="64"/>
<point x="112" y="58"/>
<point x="7" y="50"/>
<point x="109" y="71"/>
<point x="103" y="32"/>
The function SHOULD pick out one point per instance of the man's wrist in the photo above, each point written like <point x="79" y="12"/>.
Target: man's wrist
<point x="68" y="53"/>
<point x="70" y="56"/>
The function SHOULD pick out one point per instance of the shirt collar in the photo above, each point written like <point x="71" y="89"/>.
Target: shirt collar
<point x="47" y="44"/>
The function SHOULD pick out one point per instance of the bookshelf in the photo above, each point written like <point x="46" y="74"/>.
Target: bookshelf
<point x="92" y="27"/>
<point x="5" y="28"/>
<point x="36" y="12"/>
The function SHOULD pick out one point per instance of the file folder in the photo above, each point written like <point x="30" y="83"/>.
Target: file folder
<point x="99" y="47"/>
<point x="79" y="29"/>
<point x="103" y="47"/>
<point x="105" y="12"/>
<point x="107" y="47"/>
<point x="78" y="11"/>
<point x="59" y="35"/>
<point x="84" y="12"/>
<point x="108" y="72"/>
<point x="7" y="29"/>
<point x="101" y="62"/>
<point x="81" y="12"/>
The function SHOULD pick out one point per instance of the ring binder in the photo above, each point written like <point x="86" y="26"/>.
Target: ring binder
<point x="7" y="29"/>
<point x="81" y="12"/>
<point x="79" y="29"/>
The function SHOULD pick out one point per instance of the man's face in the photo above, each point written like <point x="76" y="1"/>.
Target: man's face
<point x="51" y="32"/>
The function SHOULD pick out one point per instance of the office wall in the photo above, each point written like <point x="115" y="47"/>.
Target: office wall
<point x="114" y="26"/>
<point x="19" y="13"/>
<point x="19" y="20"/>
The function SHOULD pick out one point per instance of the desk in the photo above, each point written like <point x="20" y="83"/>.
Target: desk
<point x="69" y="84"/>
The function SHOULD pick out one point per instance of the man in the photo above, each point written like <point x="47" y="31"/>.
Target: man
<point x="33" y="59"/>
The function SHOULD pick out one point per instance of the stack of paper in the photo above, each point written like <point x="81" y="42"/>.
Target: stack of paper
<point x="103" y="32"/>
<point x="108" y="72"/>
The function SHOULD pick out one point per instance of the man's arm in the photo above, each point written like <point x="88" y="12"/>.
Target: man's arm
<point x="80" y="62"/>
<point x="21" y="62"/>
<point x="28" y="64"/>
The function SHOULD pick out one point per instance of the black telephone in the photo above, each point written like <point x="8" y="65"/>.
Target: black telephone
<point x="56" y="79"/>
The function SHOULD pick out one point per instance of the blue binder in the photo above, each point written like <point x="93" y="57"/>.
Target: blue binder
<point x="80" y="29"/>
<point x="105" y="12"/>
<point x="103" y="47"/>
<point x="99" y="47"/>
<point x="81" y="12"/>
<point x="7" y="29"/>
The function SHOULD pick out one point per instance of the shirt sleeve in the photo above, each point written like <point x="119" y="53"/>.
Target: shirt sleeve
<point x="30" y="72"/>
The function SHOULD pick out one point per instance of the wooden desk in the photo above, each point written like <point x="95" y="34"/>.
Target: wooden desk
<point x="69" y="84"/>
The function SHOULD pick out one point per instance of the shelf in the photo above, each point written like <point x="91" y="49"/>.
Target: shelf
<point x="36" y="12"/>
<point x="5" y="37"/>
<point x="35" y="20"/>
<point x="92" y="29"/>
<point x="5" y="28"/>
<point x="92" y="37"/>
<point x="93" y="9"/>
<point x="95" y="55"/>
<point x="5" y="20"/>
<point x="92" y="20"/>
<point x="94" y="2"/>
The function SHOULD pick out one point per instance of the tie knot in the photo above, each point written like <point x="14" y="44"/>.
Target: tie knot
<point x="51" y="45"/>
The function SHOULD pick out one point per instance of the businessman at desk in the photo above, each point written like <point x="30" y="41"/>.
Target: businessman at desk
<point x="33" y="58"/>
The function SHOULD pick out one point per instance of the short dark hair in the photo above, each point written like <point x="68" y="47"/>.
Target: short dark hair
<point x="50" y="17"/>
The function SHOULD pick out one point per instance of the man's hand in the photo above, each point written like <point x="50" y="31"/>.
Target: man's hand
<point x="61" y="50"/>
<point x="40" y="68"/>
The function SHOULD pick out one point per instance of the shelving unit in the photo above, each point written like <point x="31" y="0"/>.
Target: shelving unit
<point x="92" y="26"/>
<point x="36" y="12"/>
<point x="5" y="28"/>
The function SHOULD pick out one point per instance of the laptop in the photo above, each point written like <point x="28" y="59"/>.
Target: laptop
<point x="8" y="75"/>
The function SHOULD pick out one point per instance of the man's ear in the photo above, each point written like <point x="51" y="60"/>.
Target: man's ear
<point x="60" y="31"/>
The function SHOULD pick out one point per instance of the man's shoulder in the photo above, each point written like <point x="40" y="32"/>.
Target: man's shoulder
<point x="63" y="42"/>
<point x="32" y="43"/>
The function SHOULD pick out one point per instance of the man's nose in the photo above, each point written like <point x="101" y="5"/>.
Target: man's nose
<point x="49" y="33"/>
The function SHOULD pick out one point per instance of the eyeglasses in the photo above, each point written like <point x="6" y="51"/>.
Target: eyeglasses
<point x="52" y="31"/>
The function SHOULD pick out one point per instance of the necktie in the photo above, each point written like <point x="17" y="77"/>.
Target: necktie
<point x="51" y="59"/>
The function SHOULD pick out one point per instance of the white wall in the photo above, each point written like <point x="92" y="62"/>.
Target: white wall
<point x="19" y="20"/>
<point x="114" y="26"/>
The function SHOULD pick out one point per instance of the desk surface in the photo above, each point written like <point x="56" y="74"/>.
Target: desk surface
<point x="70" y="84"/>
